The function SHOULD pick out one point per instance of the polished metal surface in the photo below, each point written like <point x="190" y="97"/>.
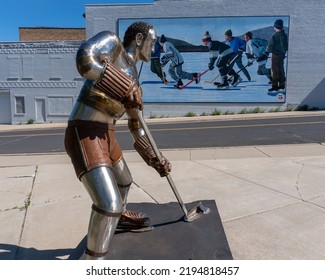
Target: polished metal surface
<point x="104" y="192"/>
<point x="123" y="179"/>
<point x="108" y="187"/>
<point x="84" y="112"/>
<point x="101" y="230"/>
<point x="102" y="188"/>
<point x="92" y="54"/>
<point x="122" y="173"/>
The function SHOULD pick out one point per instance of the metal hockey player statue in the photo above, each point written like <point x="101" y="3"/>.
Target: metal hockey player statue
<point x="110" y="90"/>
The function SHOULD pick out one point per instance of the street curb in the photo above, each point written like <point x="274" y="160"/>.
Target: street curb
<point x="289" y="114"/>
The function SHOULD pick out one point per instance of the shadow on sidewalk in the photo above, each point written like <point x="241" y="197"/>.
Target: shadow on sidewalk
<point x="13" y="252"/>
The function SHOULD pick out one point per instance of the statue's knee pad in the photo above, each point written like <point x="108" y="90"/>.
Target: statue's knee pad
<point x="122" y="173"/>
<point x="123" y="179"/>
<point x="103" y="190"/>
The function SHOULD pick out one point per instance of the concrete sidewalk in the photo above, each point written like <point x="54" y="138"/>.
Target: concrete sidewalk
<point x="271" y="199"/>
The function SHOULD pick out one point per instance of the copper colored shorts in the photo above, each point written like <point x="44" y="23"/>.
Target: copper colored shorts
<point x="90" y="145"/>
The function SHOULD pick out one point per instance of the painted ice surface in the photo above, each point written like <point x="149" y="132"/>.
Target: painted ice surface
<point x="254" y="91"/>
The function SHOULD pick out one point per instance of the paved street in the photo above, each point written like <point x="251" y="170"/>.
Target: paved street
<point x="187" y="132"/>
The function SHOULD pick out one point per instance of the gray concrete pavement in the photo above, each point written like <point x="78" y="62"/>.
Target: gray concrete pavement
<point x="271" y="199"/>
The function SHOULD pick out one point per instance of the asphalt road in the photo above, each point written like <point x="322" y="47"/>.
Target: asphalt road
<point x="190" y="134"/>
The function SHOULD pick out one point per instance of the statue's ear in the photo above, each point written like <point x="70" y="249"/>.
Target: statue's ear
<point x="139" y="39"/>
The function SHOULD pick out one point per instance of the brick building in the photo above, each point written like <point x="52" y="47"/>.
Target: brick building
<point x="27" y="34"/>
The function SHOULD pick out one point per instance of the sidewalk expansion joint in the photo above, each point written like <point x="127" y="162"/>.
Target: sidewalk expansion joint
<point x="298" y="179"/>
<point x="261" y="212"/>
<point x="27" y="204"/>
<point x="256" y="147"/>
<point x="249" y="181"/>
<point x="148" y="194"/>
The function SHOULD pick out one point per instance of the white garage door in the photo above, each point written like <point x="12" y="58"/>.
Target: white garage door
<point x="5" y="112"/>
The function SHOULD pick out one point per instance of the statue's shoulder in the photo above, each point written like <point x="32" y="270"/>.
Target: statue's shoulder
<point x="106" y="34"/>
<point x="102" y="42"/>
<point x="103" y="38"/>
<point x="94" y="52"/>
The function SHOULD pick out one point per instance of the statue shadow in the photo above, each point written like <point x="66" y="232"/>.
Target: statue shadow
<point x="13" y="252"/>
<point x="171" y="239"/>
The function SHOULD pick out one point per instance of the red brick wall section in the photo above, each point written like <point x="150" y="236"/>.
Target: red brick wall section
<point x="51" y="34"/>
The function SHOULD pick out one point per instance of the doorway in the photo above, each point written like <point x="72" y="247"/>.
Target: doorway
<point x="40" y="110"/>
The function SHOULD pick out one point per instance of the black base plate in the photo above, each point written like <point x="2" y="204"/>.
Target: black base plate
<point x="172" y="237"/>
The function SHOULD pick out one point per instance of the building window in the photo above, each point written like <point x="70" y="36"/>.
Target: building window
<point x="13" y="67"/>
<point x="20" y="104"/>
<point x="28" y="67"/>
<point x="60" y="105"/>
<point x="56" y="67"/>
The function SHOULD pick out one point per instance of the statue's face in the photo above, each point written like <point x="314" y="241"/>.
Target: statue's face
<point x="147" y="46"/>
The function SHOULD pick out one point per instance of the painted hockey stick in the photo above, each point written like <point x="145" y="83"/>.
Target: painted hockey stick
<point x="210" y="82"/>
<point x="191" y="81"/>
<point x="229" y="79"/>
<point x="241" y="69"/>
<point x="228" y="64"/>
<point x="163" y="73"/>
<point x="164" y="76"/>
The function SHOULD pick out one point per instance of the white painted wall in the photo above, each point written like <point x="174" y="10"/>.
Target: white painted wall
<point x="306" y="57"/>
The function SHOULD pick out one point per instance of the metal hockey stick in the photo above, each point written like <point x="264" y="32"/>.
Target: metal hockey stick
<point x="196" y="212"/>
<point x="140" y="70"/>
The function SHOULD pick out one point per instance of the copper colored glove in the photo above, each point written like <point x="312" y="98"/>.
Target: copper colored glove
<point x="163" y="166"/>
<point x="119" y="86"/>
<point x="145" y="150"/>
<point x="134" y="100"/>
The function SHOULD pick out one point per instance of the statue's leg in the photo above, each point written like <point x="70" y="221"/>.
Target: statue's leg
<point x="106" y="211"/>
<point x="130" y="220"/>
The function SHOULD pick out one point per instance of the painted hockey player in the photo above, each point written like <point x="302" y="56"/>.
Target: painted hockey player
<point x="155" y="66"/>
<point x="278" y="47"/>
<point x="224" y="57"/>
<point x="255" y="47"/>
<point x="176" y="60"/>
<point x="238" y="46"/>
<point x="110" y="90"/>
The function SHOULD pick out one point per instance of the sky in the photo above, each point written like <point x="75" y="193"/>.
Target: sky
<point x="69" y="14"/>
<point x="45" y="13"/>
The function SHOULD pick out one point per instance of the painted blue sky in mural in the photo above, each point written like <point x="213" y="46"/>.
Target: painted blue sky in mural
<point x="192" y="29"/>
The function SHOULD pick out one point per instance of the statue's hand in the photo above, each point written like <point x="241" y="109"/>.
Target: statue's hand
<point x="134" y="99"/>
<point x="163" y="166"/>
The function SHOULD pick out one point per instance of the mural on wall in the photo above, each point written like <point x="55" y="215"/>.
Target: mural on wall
<point x="215" y="59"/>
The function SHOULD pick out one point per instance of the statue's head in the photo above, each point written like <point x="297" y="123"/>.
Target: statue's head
<point x="141" y="36"/>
